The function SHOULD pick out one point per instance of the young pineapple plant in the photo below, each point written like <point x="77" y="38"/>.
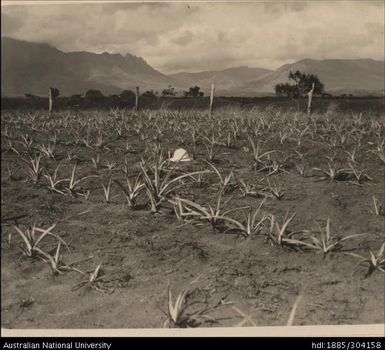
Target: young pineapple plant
<point x="225" y="181"/>
<point x="54" y="181"/>
<point x="258" y="155"/>
<point x="254" y="222"/>
<point x="195" y="213"/>
<point x="95" y="280"/>
<point x="132" y="191"/>
<point x="279" y="233"/>
<point x="34" y="170"/>
<point x="373" y="261"/>
<point x="333" y="173"/>
<point x="325" y="243"/>
<point x="159" y="186"/>
<point x="182" y="314"/>
<point x="33" y="237"/>
<point x="75" y="182"/>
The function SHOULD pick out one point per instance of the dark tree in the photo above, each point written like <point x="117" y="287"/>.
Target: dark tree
<point x="193" y="92"/>
<point x="170" y="91"/>
<point x="286" y="90"/>
<point x="127" y="95"/>
<point x="303" y="84"/>
<point x="94" y="94"/>
<point x="149" y="94"/>
<point x="29" y="95"/>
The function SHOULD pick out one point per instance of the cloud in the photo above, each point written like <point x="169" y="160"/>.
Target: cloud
<point x="201" y="36"/>
<point x="184" y="38"/>
<point x="9" y="24"/>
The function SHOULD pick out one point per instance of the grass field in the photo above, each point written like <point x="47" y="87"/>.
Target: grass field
<point x="275" y="210"/>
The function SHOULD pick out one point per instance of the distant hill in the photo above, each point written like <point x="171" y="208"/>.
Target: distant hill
<point x="32" y="68"/>
<point x="226" y="80"/>
<point x="359" y="76"/>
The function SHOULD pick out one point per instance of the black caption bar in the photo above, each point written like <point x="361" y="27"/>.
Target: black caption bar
<point x="113" y="343"/>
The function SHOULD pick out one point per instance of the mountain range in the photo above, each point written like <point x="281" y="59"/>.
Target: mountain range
<point x="33" y="67"/>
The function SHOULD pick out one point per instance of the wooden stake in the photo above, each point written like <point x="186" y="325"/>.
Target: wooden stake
<point x="310" y="97"/>
<point x="137" y="98"/>
<point x="50" y="96"/>
<point x="211" y="99"/>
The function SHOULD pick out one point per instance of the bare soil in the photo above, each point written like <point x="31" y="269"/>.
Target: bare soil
<point x="142" y="252"/>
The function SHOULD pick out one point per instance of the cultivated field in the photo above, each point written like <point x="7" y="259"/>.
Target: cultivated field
<point x="278" y="218"/>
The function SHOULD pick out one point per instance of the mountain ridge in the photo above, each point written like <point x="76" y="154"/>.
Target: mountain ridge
<point x="33" y="67"/>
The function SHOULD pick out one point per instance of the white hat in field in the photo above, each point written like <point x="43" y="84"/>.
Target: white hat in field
<point x="180" y="155"/>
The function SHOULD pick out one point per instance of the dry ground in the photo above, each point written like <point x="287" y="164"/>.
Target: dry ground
<point x="142" y="252"/>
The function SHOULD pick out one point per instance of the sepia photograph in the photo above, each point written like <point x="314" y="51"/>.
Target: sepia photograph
<point x="215" y="166"/>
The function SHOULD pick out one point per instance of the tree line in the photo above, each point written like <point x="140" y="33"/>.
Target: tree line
<point x="94" y="94"/>
<point x="302" y="84"/>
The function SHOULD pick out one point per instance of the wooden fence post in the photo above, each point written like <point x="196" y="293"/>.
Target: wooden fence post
<point x="211" y="99"/>
<point x="137" y="98"/>
<point x="50" y="96"/>
<point x="310" y="97"/>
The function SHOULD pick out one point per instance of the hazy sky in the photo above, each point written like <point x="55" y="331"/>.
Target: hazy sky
<point x="194" y="36"/>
